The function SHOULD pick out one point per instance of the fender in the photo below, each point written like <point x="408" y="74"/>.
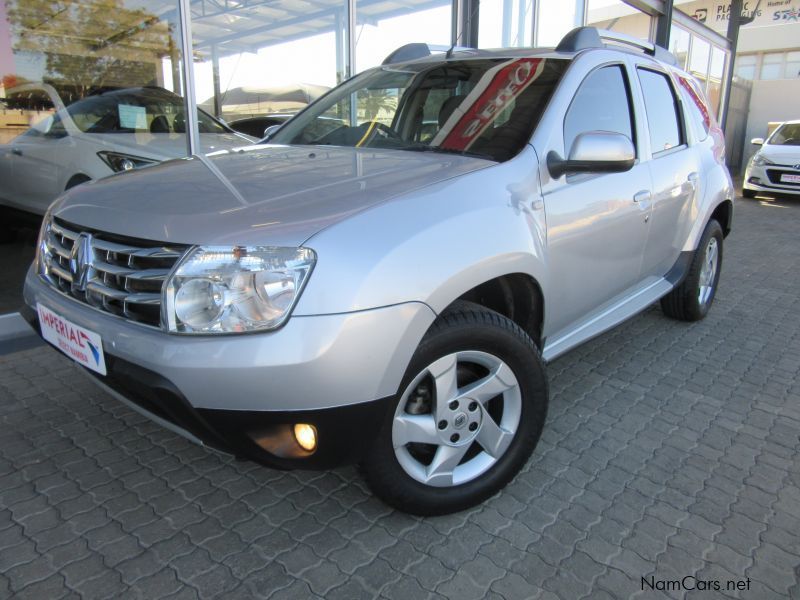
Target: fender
<point x="434" y="245"/>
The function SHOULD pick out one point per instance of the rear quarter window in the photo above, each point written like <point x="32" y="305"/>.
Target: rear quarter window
<point x="695" y="107"/>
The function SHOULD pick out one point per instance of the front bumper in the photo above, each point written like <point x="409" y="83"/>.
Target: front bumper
<point x="757" y="179"/>
<point x="242" y="393"/>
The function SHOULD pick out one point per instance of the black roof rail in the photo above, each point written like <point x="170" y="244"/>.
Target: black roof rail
<point x="418" y="50"/>
<point x="582" y="38"/>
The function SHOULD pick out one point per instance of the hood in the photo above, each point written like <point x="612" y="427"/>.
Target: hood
<point x="259" y="195"/>
<point x="163" y="146"/>
<point x="783" y="154"/>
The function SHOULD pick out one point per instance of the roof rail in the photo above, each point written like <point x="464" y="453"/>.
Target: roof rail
<point x="582" y="38"/>
<point x="418" y="50"/>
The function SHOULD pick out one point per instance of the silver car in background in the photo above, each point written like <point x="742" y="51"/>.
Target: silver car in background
<point x="384" y="281"/>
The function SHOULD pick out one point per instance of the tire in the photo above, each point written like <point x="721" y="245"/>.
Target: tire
<point x="490" y="357"/>
<point x="748" y="193"/>
<point x="692" y="299"/>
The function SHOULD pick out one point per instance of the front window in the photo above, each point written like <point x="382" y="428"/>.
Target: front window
<point x="786" y="135"/>
<point x="479" y="107"/>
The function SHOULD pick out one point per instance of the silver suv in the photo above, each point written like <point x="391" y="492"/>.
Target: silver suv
<point x="384" y="280"/>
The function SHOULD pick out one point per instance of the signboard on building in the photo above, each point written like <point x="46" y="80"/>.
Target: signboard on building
<point x="715" y="14"/>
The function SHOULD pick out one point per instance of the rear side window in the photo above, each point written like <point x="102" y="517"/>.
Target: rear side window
<point x="602" y="103"/>
<point x="695" y="108"/>
<point x="663" y="120"/>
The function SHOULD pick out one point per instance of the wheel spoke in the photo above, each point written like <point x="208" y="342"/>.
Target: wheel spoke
<point x="414" y="428"/>
<point x="446" y="459"/>
<point x="492" y="438"/>
<point x="444" y="375"/>
<point x="490" y="386"/>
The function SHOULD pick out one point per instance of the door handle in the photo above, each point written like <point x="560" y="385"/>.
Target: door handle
<point x="692" y="178"/>
<point x="16" y="151"/>
<point x="642" y="197"/>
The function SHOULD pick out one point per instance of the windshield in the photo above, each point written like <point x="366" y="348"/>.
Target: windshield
<point x="477" y="107"/>
<point x="132" y="111"/>
<point x="786" y="135"/>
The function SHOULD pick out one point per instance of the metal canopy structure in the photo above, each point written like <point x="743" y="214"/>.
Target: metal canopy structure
<point x="232" y="26"/>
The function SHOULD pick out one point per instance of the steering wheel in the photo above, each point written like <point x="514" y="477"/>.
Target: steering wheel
<point x="387" y="131"/>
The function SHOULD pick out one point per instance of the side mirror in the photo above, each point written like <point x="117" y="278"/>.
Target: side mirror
<point x="594" y="152"/>
<point x="270" y="131"/>
<point x="757" y="141"/>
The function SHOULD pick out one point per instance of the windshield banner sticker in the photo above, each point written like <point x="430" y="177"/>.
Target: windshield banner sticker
<point x="484" y="104"/>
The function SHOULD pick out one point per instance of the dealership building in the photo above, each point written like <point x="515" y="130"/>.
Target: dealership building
<point x="253" y="58"/>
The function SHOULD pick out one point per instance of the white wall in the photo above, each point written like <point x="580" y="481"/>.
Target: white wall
<point x="775" y="100"/>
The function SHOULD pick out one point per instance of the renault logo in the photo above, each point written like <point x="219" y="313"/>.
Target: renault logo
<point x="80" y="261"/>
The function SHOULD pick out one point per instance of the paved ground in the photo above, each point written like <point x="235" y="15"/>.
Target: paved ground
<point x="671" y="450"/>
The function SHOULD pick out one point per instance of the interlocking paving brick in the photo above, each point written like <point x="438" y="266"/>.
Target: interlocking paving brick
<point x="671" y="449"/>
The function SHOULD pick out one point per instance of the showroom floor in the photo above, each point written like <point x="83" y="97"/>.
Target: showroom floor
<point x="671" y="450"/>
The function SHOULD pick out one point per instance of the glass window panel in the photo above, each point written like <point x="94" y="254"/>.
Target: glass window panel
<point x="663" y="121"/>
<point x="699" y="57"/>
<point x="616" y="15"/>
<point x="604" y="87"/>
<point x="258" y="63"/>
<point x="772" y="65"/>
<point x="679" y="44"/>
<point x="380" y="31"/>
<point x="715" y="73"/>
<point x="746" y="66"/>
<point x="555" y="19"/>
<point x="746" y="71"/>
<point x="104" y="74"/>
<point x="505" y="23"/>
<point x="792" y="68"/>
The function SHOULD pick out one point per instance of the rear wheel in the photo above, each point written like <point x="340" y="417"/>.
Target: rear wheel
<point x="748" y="193"/>
<point x="692" y="299"/>
<point x="470" y="412"/>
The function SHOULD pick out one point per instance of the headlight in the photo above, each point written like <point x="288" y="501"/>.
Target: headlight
<point x="124" y="162"/>
<point x="759" y="160"/>
<point x="233" y="290"/>
<point x="42" y="248"/>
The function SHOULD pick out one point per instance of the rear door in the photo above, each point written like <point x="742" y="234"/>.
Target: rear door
<point x="674" y="169"/>
<point x="596" y="223"/>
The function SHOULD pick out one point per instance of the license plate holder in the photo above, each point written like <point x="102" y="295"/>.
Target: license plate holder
<point x="82" y="345"/>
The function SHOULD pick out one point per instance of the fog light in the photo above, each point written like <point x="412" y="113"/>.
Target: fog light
<point x="306" y="436"/>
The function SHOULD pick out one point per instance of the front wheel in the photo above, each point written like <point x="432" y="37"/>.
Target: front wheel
<point x="692" y="299"/>
<point x="470" y="412"/>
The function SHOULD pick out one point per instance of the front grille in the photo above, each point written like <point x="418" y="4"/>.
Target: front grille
<point x="123" y="276"/>
<point x="775" y="176"/>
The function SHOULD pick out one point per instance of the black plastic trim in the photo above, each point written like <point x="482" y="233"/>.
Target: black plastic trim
<point x="680" y="269"/>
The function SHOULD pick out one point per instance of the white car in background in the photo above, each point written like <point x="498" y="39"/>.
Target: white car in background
<point x="101" y="134"/>
<point x="775" y="168"/>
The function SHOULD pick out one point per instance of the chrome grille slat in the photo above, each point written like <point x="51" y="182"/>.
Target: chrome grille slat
<point x="125" y="276"/>
<point x="152" y="299"/>
<point x="63" y="231"/>
<point x="129" y="272"/>
<point x="61" y="273"/>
